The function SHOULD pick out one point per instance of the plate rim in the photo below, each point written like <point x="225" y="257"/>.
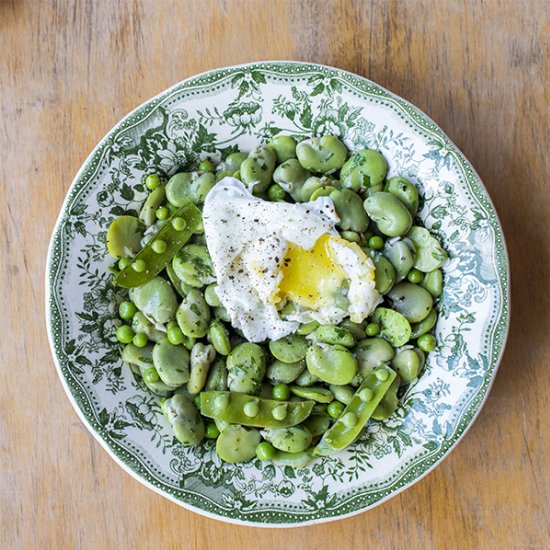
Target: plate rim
<point x="504" y="283"/>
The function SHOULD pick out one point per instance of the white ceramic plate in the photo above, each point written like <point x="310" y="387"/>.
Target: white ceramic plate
<point x="241" y="106"/>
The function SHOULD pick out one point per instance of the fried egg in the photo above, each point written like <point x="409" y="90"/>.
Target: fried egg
<point x="279" y="264"/>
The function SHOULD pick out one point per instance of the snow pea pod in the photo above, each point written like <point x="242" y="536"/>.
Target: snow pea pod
<point x="249" y="410"/>
<point x="355" y="416"/>
<point x="389" y="403"/>
<point x="153" y="258"/>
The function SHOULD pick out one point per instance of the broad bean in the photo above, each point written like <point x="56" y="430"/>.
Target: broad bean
<point x="290" y="440"/>
<point x="284" y="147"/>
<point x="124" y="237"/>
<point x="155" y="299"/>
<point x="186" y="422"/>
<point x="237" y="444"/>
<point x="401" y="256"/>
<point x="394" y="327"/>
<point x="201" y="358"/>
<point x="257" y="169"/>
<point x="412" y="301"/>
<point x="333" y="334"/>
<point x="189" y="187"/>
<point x="433" y="282"/>
<point x="193" y="315"/>
<point x="140" y="323"/>
<point x="390" y="215"/>
<point x="349" y="208"/>
<point x="429" y="254"/>
<point x="284" y="373"/>
<point x="332" y="364"/>
<point x="193" y="265"/>
<point x="364" y="169"/>
<point x="291" y="176"/>
<point x="405" y="191"/>
<point x="322" y="155"/>
<point x="289" y="349"/>
<point x="156" y="198"/>
<point x="246" y="368"/>
<point x="171" y="362"/>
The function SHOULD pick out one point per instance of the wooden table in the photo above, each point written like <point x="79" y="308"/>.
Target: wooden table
<point x="70" y="69"/>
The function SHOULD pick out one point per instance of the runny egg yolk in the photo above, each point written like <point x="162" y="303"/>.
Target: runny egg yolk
<point x="311" y="277"/>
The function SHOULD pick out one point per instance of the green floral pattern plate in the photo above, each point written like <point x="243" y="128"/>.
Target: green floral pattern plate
<point x="236" y="107"/>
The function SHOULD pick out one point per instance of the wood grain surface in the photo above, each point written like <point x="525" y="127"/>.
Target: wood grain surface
<point x="69" y="70"/>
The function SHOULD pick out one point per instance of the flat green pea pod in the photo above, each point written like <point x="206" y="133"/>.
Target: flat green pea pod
<point x="160" y="250"/>
<point x="289" y="349"/>
<point x="257" y="169"/>
<point x="148" y="211"/>
<point x="370" y="354"/>
<point x="351" y="422"/>
<point x="412" y="301"/>
<point x="181" y="288"/>
<point x="201" y="358"/>
<point x="250" y="410"/>
<point x="193" y="315"/>
<point x="289" y="440"/>
<point x="219" y="337"/>
<point x="291" y="176"/>
<point x="313" y="393"/>
<point x="217" y="376"/>
<point x="333" y="334"/>
<point x="306" y="379"/>
<point x="401" y="256"/>
<point x="237" y="444"/>
<point x="189" y="187"/>
<point x="344" y="394"/>
<point x="284" y="373"/>
<point x="186" y="422"/>
<point x="390" y="214"/>
<point x="140" y="323"/>
<point x="172" y="363"/>
<point x="193" y="265"/>
<point x="233" y="161"/>
<point x="313" y="184"/>
<point x="294" y="460"/>
<point x="318" y="424"/>
<point x="333" y="364"/>
<point x="349" y="208"/>
<point x="156" y="300"/>
<point x="124" y="237"/>
<point x="356" y="329"/>
<point x="284" y="147"/>
<point x="323" y="155"/>
<point x="389" y="403"/>
<point x="364" y="169"/>
<point x="246" y="368"/>
<point x="384" y="275"/>
<point x="405" y="191"/>
<point x="394" y="327"/>
<point x="424" y="326"/>
<point x="407" y="363"/>
<point x="429" y="254"/>
<point x="433" y="282"/>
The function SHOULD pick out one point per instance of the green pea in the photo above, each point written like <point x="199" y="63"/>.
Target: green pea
<point x="390" y="214"/>
<point x="335" y="409"/>
<point x="407" y="364"/>
<point x="314" y="393"/>
<point x="246" y="368"/>
<point x="159" y="246"/>
<point x="126" y="310"/>
<point x="322" y="155"/>
<point x="151" y="375"/>
<point x="154" y="201"/>
<point x="433" y="282"/>
<point x="140" y="340"/>
<point x="124" y="334"/>
<point x="284" y="147"/>
<point x="123" y="263"/>
<point x="140" y="323"/>
<point x="412" y="301"/>
<point x="210" y="295"/>
<point x="281" y="392"/>
<point x="186" y="422"/>
<point x="349" y="419"/>
<point x="394" y="327"/>
<point x="162" y="213"/>
<point x="175" y="335"/>
<point x="179" y="224"/>
<point x="415" y="276"/>
<point x="424" y="326"/>
<point x="124" y="237"/>
<point x="289" y="349"/>
<point x="212" y="431"/>
<point x="193" y="315"/>
<point x="401" y="255"/>
<point x="291" y="440"/>
<point x="155" y="299"/>
<point x="171" y="362"/>
<point x="219" y="336"/>
<point x="332" y="364"/>
<point x="333" y="334"/>
<point x="405" y="191"/>
<point x="372" y="329"/>
<point x="364" y="169"/>
<point x="318" y="424"/>
<point x="376" y="242"/>
<point x="257" y="169"/>
<point x="152" y="181"/>
<point x="280" y="412"/>
<point x="265" y="450"/>
<point x="284" y="373"/>
<point x="291" y="176"/>
<point x="427" y="343"/>
<point x="193" y="265"/>
<point x="349" y="208"/>
<point x="233" y="161"/>
<point x="276" y="193"/>
<point x="429" y="254"/>
<point x="201" y="358"/>
<point x="139" y="266"/>
<point x="207" y="166"/>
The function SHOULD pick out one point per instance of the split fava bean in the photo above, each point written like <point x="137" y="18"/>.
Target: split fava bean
<point x="349" y="207"/>
<point x="429" y="253"/>
<point x="322" y="155"/>
<point x="237" y="444"/>
<point x="246" y="368"/>
<point x="333" y="364"/>
<point x="201" y="358"/>
<point x="347" y="427"/>
<point x="230" y="407"/>
<point x="257" y="169"/>
<point x="186" y="422"/>
<point x="171" y="362"/>
<point x="314" y="393"/>
<point x="293" y="439"/>
<point x="154" y="262"/>
<point x="217" y="376"/>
